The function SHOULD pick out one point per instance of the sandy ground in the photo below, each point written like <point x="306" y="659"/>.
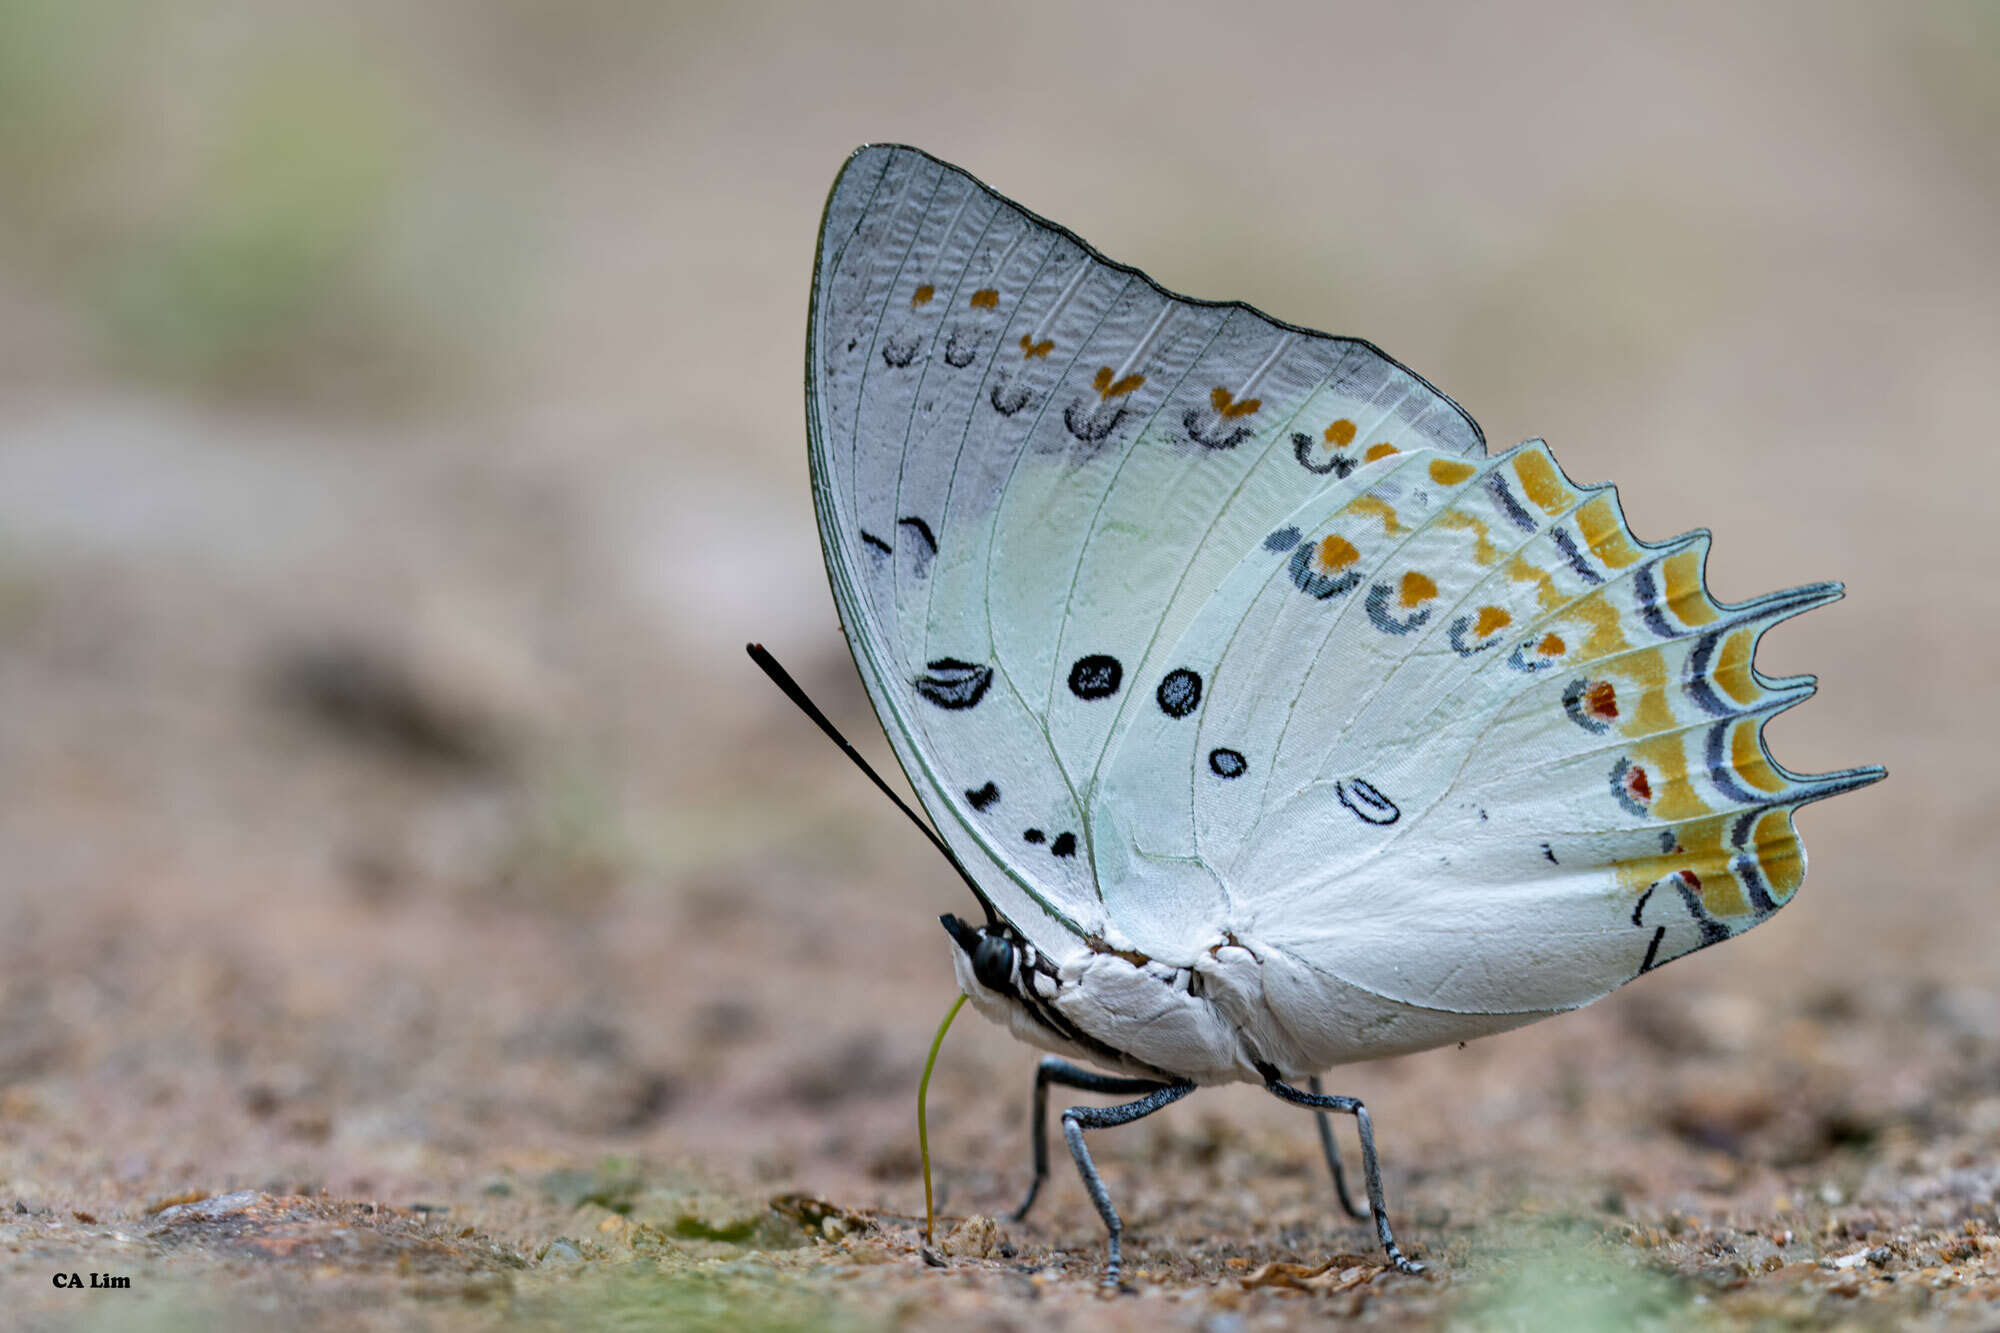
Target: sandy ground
<point x="414" y="912"/>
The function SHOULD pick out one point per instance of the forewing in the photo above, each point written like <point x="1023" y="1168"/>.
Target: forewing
<point x="1031" y="467"/>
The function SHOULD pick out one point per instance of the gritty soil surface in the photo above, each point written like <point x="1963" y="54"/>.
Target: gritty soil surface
<point x="405" y="1112"/>
<point x="415" y="913"/>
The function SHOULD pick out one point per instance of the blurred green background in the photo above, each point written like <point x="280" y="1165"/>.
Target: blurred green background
<point x="401" y="433"/>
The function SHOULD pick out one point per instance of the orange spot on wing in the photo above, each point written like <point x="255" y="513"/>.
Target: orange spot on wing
<point x="1375" y="451"/>
<point x="1606" y="631"/>
<point x="1225" y="403"/>
<point x="1681" y="573"/>
<point x="1447" y="473"/>
<point x="1674" y="796"/>
<point x="1601" y="699"/>
<point x="922" y="295"/>
<point x="1698" y="853"/>
<point x="1551" y="646"/>
<point x="986" y="298"/>
<point x="1746" y="756"/>
<point x="1779" y="854"/>
<point x="1376" y="507"/>
<point x="1341" y="433"/>
<point x="1031" y="349"/>
<point x="1417" y="588"/>
<point x="1721" y="895"/>
<point x="1336" y="552"/>
<point x="1646" y="666"/>
<point x="1542" y="483"/>
<point x="1605" y="534"/>
<point x="1108" y="388"/>
<point x="1482" y="550"/>
<point x="1522" y="570"/>
<point x="1732" y="667"/>
<point x="1652" y="714"/>
<point x="1491" y="621"/>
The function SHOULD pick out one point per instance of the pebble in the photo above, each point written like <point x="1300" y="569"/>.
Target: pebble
<point x="561" y="1250"/>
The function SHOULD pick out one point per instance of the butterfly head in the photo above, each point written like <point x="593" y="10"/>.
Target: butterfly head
<point x="1018" y="986"/>
<point x="991" y="949"/>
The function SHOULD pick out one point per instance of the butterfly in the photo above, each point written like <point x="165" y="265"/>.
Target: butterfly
<point x="1273" y="722"/>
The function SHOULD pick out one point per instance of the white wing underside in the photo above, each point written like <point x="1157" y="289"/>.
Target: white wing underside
<point x="1199" y="633"/>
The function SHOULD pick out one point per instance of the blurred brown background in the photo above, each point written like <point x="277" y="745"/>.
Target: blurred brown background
<point x="401" y="433"/>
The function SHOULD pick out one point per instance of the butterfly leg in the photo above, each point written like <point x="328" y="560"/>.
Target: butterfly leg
<point x="1056" y="1070"/>
<point x="1079" y="1118"/>
<point x="1332" y="1151"/>
<point x="1371" y="1169"/>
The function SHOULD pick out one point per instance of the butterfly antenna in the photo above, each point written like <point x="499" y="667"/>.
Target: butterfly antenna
<point x="783" y="680"/>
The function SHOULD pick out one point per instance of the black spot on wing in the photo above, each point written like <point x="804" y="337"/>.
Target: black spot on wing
<point x="1035" y="835"/>
<point x="1384" y="618"/>
<point x="921" y="528"/>
<point x="960" y="352"/>
<point x="1639" y="908"/>
<point x="922" y="548"/>
<point x="1722" y="769"/>
<point x="1646" y="589"/>
<point x="1205" y="428"/>
<point x="1497" y="487"/>
<point x="1367" y="804"/>
<point x="1227" y="763"/>
<point x="1007" y="399"/>
<point x="1064" y="845"/>
<point x="1092" y="425"/>
<point x="1097" y="676"/>
<point x="952" y="684"/>
<point x="1567" y="545"/>
<point x="1752" y="874"/>
<point x="1699" y="687"/>
<point x="1653" y="949"/>
<point x="1712" y="931"/>
<point x="982" y="797"/>
<point x="900" y="352"/>
<point x="1314" y="583"/>
<point x="1303" y="449"/>
<point x="1179" y="693"/>
<point x="876" y="542"/>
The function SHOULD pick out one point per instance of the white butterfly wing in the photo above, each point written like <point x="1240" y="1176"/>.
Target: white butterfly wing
<point x="1032" y="467"/>
<point x="1468" y="746"/>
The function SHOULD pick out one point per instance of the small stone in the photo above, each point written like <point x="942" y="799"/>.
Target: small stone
<point x="210" y="1208"/>
<point x="165" y="1202"/>
<point x="561" y="1250"/>
<point x="977" y="1237"/>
